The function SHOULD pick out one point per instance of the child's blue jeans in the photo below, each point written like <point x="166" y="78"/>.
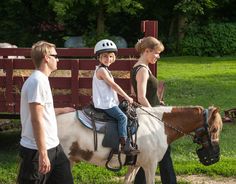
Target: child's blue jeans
<point x="118" y="114"/>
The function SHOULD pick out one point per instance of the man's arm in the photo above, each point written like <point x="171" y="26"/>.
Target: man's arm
<point x="36" y="111"/>
<point x="63" y="110"/>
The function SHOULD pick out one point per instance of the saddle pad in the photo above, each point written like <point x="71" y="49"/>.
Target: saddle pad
<point x="86" y="121"/>
<point x="110" y="130"/>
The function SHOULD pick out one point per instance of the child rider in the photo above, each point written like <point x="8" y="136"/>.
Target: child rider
<point x="104" y="91"/>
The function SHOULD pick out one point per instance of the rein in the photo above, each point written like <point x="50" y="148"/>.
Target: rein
<point x="166" y="124"/>
<point x="209" y="153"/>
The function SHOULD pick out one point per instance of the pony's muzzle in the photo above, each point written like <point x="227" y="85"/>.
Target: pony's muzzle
<point x="210" y="155"/>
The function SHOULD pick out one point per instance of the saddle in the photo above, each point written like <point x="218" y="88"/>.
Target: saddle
<point x="100" y="122"/>
<point x="229" y="115"/>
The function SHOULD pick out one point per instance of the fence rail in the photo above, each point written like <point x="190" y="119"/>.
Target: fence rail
<point x="71" y="83"/>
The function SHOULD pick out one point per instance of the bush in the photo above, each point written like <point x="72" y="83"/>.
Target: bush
<point x="215" y="39"/>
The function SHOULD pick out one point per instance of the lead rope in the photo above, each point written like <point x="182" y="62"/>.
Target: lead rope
<point x="166" y="124"/>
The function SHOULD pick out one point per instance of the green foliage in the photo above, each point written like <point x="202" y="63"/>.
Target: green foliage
<point x="215" y="39"/>
<point x="128" y="6"/>
<point x="80" y="17"/>
<point x="194" y="7"/>
<point x="24" y="23"/>
<point x="62" y="7"/>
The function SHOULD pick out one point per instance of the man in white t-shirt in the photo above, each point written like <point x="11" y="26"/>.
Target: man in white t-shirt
<point x="43" y="160"/>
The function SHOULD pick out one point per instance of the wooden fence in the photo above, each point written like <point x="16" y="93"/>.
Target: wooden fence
<point x="71" y="83"/>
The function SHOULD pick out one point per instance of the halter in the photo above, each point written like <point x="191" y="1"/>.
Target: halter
<point x="202" y="134"/>
<point x="209" y="153"/>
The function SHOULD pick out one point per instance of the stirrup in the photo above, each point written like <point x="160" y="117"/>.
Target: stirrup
<point x="131" y="151"/>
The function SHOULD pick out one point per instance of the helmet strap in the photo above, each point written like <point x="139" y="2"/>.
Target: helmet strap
<point x="102" y="65"/>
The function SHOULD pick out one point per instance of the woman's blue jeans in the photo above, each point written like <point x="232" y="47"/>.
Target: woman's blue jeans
<point x="118" y="114"/>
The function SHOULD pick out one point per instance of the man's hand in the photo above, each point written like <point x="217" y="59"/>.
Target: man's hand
<point x="68" y="109"/>
<point x="44" y="163"/>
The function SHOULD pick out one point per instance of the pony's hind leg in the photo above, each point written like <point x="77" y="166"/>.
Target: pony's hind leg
<point x="131" y="173"/>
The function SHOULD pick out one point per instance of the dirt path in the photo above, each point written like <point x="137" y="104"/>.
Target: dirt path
<point x="201" y="179"/>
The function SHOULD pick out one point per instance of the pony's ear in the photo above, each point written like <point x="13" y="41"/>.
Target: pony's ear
<point x="212" y="112"/>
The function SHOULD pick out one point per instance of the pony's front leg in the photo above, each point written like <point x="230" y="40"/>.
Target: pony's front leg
<point x="131" y="173"/>
<point x="150" y="172"/>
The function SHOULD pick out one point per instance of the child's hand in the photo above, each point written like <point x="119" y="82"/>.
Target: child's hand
<point x="130" y="100"/>
<point x="162" y="102"/>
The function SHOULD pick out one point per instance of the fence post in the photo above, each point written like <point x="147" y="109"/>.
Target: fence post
<point x="149" y="28"/>
<point x="74" y="83"/>
<point x="10" y="104"/>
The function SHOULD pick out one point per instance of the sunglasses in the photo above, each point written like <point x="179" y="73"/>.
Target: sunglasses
<point x="54" y="55"/>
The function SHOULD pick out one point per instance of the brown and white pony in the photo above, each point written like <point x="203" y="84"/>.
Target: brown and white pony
<point x="158" y="127"/>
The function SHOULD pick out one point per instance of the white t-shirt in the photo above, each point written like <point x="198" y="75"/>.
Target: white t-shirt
<point x="37" y="89"/>
<point x="104" y="97"/>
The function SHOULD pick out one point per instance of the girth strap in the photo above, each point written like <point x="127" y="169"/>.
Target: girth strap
<point x="95" y="136"/>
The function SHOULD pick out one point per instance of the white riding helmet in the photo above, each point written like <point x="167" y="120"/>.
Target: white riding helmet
<point x="105" y="46"/>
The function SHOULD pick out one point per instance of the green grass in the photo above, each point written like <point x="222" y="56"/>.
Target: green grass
<point x="199" y="81"/>
<point x="189" y="81"/>
<point x="8" y="156"/>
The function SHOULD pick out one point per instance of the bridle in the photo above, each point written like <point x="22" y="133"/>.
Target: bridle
<point x="202" y="134"/>
<point x="209" y="153"/>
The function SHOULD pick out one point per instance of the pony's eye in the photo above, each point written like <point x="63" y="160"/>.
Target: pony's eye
<point x="214" y="130"/>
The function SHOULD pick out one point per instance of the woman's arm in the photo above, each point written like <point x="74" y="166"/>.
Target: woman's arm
<point x="142" y="78"/>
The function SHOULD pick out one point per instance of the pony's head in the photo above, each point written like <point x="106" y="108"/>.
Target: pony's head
<point x="208" y="137"/>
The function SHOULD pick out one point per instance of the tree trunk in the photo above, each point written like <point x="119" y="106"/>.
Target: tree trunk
<point x="100" y="19"/>
<point x="182" y="24"/>
<point x="172" y="27"/>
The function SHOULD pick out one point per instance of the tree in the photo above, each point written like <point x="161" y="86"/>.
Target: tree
<point x="187" y="10"/>
<point x="93" y="11"/>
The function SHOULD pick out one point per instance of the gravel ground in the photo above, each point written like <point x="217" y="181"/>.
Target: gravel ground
<point x="201" y="179"/>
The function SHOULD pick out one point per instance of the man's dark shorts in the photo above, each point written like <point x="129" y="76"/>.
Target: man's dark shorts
<point x="60" y="167"/>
